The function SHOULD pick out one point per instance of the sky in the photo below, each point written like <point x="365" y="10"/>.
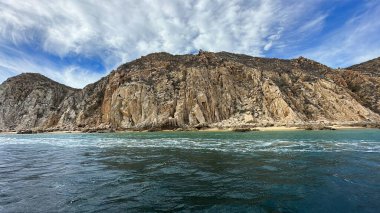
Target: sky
<point x="76" y="42"/>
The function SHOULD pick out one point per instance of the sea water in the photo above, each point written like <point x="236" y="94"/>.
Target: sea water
<point x="294" y="171"/>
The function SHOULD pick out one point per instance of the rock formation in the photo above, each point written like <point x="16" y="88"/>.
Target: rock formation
<point x="32" y="100"/>
<point x="164" y="91"/>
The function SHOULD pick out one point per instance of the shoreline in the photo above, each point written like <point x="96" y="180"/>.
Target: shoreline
<point x="211" y="129"/>
<point x="283" y="128"/>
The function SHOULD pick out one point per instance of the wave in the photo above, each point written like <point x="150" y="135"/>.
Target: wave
<point x="222" y="145"/>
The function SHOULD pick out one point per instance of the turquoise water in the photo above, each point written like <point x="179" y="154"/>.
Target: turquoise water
<point x="301" y="171"/>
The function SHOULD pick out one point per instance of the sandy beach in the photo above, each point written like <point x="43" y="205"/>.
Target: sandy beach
<point x="213" y="129"/>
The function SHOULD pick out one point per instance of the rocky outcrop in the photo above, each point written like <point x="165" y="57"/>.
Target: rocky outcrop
<point x="31" y="100"/>
<point x="363" y="87"/>
<point x="164" y="91"/>
<point x="370" y="68"/>
<point x="364" y="81"/>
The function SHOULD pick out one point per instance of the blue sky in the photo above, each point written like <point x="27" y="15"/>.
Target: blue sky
<point x="77" y="42"/>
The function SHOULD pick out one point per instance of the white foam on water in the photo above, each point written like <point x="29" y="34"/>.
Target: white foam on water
<point x="223" y="145"/>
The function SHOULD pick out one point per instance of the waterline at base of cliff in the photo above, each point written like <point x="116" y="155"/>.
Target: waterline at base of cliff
<point x="245" y="128"/>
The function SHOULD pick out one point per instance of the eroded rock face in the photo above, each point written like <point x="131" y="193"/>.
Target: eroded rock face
<point x="32" y="100"/>
<point x="217" y="89"/>
<point x="370" y="68"/>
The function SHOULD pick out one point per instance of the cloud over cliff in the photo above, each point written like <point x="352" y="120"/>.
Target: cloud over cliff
<point x="89" y="38"/>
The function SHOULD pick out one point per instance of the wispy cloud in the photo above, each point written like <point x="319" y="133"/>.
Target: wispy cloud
<point x="121" y="30"/>
<point x="71" y="75"/>
<point x="357" y="40"/>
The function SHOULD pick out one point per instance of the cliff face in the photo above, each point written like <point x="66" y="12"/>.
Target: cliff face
<point x="364" y="81"/>
<point x="216" y="89"/>
<point x="32" y="100"/>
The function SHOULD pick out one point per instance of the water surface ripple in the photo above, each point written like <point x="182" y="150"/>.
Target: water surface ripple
<point x="302" y="171"/>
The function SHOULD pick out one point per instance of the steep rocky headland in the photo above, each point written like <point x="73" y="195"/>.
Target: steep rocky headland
<point x="164" y="91"/>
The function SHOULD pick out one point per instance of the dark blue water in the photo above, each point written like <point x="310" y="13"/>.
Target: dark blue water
<point x="302" y="171"/>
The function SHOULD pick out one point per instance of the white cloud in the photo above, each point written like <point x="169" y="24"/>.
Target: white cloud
<point x="117" y="31"/>
<point x="70" y="75"/>
<point x="313" y="25"/>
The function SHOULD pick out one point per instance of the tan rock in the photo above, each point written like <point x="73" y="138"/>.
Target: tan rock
<point x="163" y="91"/>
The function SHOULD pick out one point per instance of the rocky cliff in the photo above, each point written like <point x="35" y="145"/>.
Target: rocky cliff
<point x="165" y="91"/>
<point x="32" y="100"/>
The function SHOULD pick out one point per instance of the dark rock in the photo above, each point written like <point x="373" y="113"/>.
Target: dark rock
<point x="202" y="126"/>
<point x="244" y="129"/>
<point x="317" y="127"/>
<point x="28" y="131"/>
<point x="241" y="130"/>
<point x="327" y="128"/>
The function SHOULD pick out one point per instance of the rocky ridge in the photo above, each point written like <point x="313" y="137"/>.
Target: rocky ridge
<point x="224" y="90"/>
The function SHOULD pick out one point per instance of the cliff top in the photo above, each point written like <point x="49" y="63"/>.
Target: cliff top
<point x="204" y="58"/>
<point x="33" y="79"/>
<point x="371" y="67"/>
